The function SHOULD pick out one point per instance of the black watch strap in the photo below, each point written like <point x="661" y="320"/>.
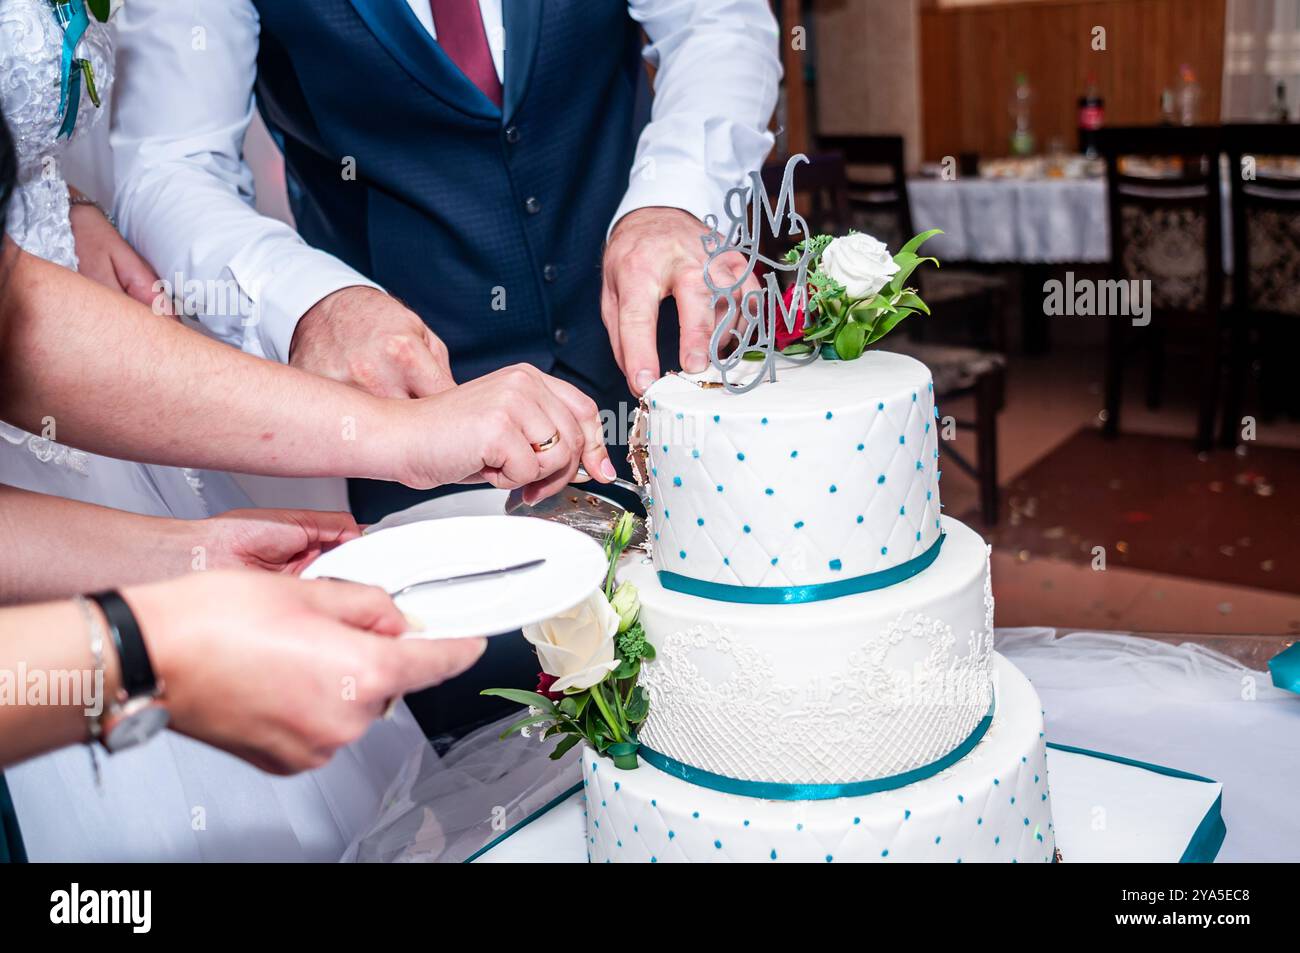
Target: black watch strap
<point x="137" y="671"/>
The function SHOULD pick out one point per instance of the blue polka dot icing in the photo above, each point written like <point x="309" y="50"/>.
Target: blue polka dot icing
<point x="769" y="491"/>
<point x="717" y="844"/>
<point x="774" y="560"/>
<point x="859" y="518"/>
<point x="682" y="554"/>
<point x="719" y="488"/>
<point x="885" y="852"/>
<point x="829" y="415"/>
<point x="716" y="418"/>
<point x="696" y="815"/>
<point x="774" y="853"/>
<point x="799" y="525"/>
<point x="740" y="457"/>
<point x="746" y="528"/>
<point x="763" y="421"/>
<point x="881" y="478"/>
<point x="829" y="858"/>
<point x="880" y="406"/>
<point x="695" y="454"/>
<point x="699" y="521"/>
<point x="793" y="454"/>
<point x="833" y="488"/>
<point x="836" y="565"/>
<point x="884" y="550"/>
<point x="677" y="481"/>
<point x="901" y="439"/>
<point x="862" y="446"/>
<point x="672" y="834"/>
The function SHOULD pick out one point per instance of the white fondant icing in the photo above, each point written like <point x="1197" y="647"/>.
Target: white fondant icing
<point x="829" y="473"/>
<point x="848" y="689"/>
<point x="993" y="805"/>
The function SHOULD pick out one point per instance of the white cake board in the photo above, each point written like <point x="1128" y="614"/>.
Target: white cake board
<point x="1106" y="810"/>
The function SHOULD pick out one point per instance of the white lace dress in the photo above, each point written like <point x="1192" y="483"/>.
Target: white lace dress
<point x="173" y="799"/>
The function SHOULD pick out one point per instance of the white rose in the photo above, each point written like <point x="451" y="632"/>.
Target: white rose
<point x="860" y="263"/>
<point x="577" y="646"/>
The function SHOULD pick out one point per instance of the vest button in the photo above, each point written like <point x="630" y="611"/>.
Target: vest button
<point x="550" y="272"/>
<point x="531" y="205"/>
<point x="561" y="336"/>
<point x="512" y="134"/>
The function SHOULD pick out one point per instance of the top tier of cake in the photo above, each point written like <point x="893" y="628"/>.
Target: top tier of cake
<point x="827" y="475"/>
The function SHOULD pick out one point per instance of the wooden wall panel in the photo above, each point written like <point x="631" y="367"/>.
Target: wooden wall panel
<point x="970" y="57"/>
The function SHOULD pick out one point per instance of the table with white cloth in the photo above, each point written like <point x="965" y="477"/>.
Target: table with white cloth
<point x="1178" y="703"/>
<point x="1013" y="220"/>
<point x="1027" y="221"/>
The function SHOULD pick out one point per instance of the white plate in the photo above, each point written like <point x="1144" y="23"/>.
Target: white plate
<point x="393" y="558"/>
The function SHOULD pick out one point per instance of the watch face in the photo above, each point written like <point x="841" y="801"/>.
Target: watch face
<point x="136" y="727"/>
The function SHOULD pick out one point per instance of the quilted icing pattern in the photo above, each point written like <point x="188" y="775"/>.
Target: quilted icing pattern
<point x="830" y="473"/>
<point x="994" y="805"/>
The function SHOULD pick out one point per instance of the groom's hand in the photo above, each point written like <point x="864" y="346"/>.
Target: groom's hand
<point x="653" y="253"/>
<point x="370" y="340"/>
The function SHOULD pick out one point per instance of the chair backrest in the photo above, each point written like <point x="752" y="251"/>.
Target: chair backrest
<point x="877" y="185"/>
<point x="821" y="195"/>
<point x="1166" y="220"/>
<point x="1264" y="171"/>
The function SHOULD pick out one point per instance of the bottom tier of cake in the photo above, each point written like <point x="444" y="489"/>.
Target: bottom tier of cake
<point x="992" y="805"/>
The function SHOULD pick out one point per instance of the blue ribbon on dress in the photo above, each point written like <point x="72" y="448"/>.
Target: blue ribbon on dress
<point x="791" y="595"/>
<point x="1286" y="669"/>
<point x="781" y="791"/>
<point x="71" y="15"/>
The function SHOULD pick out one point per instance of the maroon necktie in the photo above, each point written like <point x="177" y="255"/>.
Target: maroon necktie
<point x="459" y="26"/>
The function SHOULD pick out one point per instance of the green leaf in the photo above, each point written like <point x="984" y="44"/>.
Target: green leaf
<point x="910" y="299"/>
<point x="100" y="9"/>
<point x="627" y="669"/>
<point x="638" y="706"/>
<point x="523" y="697"/>
<point x="648" y="653"/>
<point x="911" y="247"/>
<point x="825" y="330"/>
<point x="849" y="341"/>
<point x="887" y="324"/>
<point x="569" y="706"/>
<point x="796" y="349"/>
<point x="899" y="280"/>
<point x="563" y="747"/>
<point x="524" y="723"/>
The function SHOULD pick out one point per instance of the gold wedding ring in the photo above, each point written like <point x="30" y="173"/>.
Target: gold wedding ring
<point x="548" y="443"/>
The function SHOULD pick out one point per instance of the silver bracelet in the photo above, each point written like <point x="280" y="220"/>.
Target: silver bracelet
<point x="97" y="638"/>
<point x="87" y="200"/>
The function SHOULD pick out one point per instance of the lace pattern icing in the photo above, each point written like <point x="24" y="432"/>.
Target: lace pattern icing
<point x="868" y="719"/>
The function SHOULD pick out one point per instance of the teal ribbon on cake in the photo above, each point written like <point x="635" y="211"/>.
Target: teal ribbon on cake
<point x="1286" y="669"/>
<point x="72" y="18"/>
<point x="793" y="595"/>
<point x="781" y="791"/>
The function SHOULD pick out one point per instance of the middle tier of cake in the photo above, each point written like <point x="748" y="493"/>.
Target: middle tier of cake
<point x="852" y="689"/>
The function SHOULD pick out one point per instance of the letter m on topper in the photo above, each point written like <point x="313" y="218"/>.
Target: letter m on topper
<point x="747" y="329"/>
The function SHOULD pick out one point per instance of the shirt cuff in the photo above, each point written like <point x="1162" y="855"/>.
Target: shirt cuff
<point x="655" y="184"/>
<point x="282" y="294"/>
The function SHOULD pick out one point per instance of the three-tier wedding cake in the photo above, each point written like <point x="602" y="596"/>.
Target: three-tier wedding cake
<point x="824" y="686"/>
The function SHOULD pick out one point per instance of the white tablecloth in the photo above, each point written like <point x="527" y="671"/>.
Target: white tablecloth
<point x="1025" y="221"/>
<point x="1013" y="220"/>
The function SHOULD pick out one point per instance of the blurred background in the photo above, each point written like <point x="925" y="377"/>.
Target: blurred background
<point x="1132" y="451"/>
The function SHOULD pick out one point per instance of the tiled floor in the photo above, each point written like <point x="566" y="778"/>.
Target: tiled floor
<point x="1048" y="399"/>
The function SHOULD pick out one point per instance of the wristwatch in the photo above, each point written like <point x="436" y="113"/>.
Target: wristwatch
<point x="137" y="714"/>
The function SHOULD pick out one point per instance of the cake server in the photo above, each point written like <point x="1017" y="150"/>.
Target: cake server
<point x="581" y="510"/>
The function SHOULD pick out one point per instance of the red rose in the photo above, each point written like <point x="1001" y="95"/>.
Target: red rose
<point x="785" y="338"/>
<point x="544" y="683"/>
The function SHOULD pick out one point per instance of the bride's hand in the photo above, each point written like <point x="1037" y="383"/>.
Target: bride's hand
<point x="104" y="256"/>
<point x="282" y="672"/>
<point x="486" y="430"/>
<point x="284" y="541"/>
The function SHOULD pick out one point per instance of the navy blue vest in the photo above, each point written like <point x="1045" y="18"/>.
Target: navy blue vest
<point x="488" y="223"/>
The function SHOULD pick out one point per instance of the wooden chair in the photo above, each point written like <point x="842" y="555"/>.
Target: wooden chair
<point x="821" y="195"/>
<point x="1266" y="269"/>
<point x="1166" y="229"/>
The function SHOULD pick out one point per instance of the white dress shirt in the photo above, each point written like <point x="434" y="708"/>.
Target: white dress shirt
<point x="185" y="195"/>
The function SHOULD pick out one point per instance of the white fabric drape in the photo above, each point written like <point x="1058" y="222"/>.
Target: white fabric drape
<point x="1261" y="49"/>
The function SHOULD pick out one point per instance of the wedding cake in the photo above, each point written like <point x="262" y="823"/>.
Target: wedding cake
<point x="823" y="686"/>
